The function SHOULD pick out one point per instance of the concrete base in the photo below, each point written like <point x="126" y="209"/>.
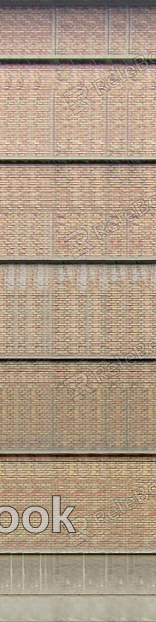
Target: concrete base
<point x="77" y="588"/>
<point x="77" y="608"/>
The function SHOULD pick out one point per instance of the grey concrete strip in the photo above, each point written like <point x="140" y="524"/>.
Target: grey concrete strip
<point x="77" y="608"/>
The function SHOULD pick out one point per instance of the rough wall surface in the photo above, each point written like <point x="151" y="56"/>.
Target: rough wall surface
<point x="95" y="574"/>
<point x="53" y="406"/>
<point x="83" y="111"/>
<point x="113" y="499"/>
<point x="45" y="28"/>
<point x="77" y="310"/>
<point x="78" y="210"/>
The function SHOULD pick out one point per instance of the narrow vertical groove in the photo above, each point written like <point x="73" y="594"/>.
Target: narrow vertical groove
<point x="52" y="236"/>
<point x="128" y="29"/>
<point x="88" y="317"/>
<point x="105" y="418"/>
<point x="127" y="236"/>
<point x="50" y="321"/>
<point x="106" y="124"/>
<point x="45" y="573"/>
<point x="127" y="415"/>
<point x="40" y="562"/>
<point x="52" y="351"/>
<point x="45" y="315"/>
<point x="17" y="420"/>
<point x="53" y="126"/>
<point x="54" y="570"/>
<point x="106" y="569"/>
<point x="106" y="8"/>
<point x="11" y="574"/>
<point x="23" y="582"/>
<point x="15" y="345"/>
<point x="127" y="123"/>
<point x="53" y="16"/>
<point x="27" y="307"/>
<point x="83" y="572"/>
<point x="52" y="420"/>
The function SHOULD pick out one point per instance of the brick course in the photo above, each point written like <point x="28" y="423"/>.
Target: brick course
<point x="77" y="310"/>
<point x="78" y="406"/>
<point x="87" y="29"/>
<point x="76" y="210"/>
<point x="83" y="111"/>
<point x="94" y="485"/>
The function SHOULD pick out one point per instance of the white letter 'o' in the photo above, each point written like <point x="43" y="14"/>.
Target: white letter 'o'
<point x="44" y="519"/>
<point x="14" y="519"/>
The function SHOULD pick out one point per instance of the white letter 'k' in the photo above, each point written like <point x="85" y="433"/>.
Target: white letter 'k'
<point x="59" y="518"/>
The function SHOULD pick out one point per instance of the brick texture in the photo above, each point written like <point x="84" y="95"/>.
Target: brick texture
<point x="77" y="310"/>
<point x="73" y="210"/>
<point x="81" y="30"/>
<point x="114" y="501"/>
<point x="25" y="31"/>
<point x="79" y="111"/>
<point x="118" y="28"/>
<point x="78" y="406"/>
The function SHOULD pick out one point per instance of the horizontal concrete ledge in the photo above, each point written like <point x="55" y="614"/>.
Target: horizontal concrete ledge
<point x="79" y="551"/>
<point x="80" y="59"/>
<point x="107" y="451"/>
<point x="79" y="260"/>
<point x="77" y="608"/>
<point x="78" y="160"/>
<point x="115" y="359"/>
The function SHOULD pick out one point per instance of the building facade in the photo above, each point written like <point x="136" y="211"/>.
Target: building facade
<point x="78" y="309"/>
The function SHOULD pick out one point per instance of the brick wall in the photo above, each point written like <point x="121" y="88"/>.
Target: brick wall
<point x="114" y="501"/>
<point x="53" y="406"/>
<point x="83" y="111"/>
<point x="112" y="28"/>
<point x="77" y="210"/>
<point x="77" y="310"/>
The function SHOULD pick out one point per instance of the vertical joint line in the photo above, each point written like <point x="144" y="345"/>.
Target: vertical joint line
<point x="53" y="121"/>
<point x="88" y="316"/>
<point x="106" y="122"/>
<point x="127" y="123"/>
<point x="105" y="415"/>
<point x="107" y="27"/>
<point x="83" y="573"/>
<point x="11" y="571"/>
<point x="53" y="29"/>
<point x="129" y="566"/>
<point x="23" y="577"/>
<point x="106" y="569"/>
<point x="127" y="416"/>
<point x="40" y="564"/>
<point x="128" y="28"/>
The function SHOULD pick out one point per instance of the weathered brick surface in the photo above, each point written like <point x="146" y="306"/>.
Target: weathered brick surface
<point x="81" y="406"/>
<point x="76" y="211"/>
<point x="77" y="310"/>
<point x="114" y="499"/>
<point x="142" y="21"/>
<point x="25" y="30"/>
<point x="81" y="30"/>
<point x="79" y="111"/>
<point x="118" y="28"/>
